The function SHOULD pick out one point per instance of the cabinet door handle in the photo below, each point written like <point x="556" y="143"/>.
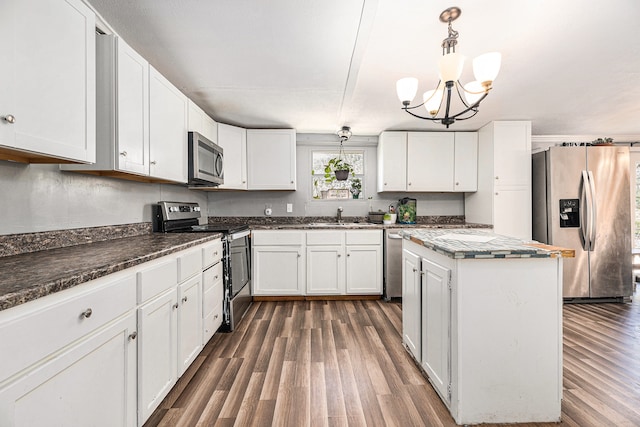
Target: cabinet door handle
<point x="123" y="153"/>
<point x="415" y="269"/>
<point x="298" y="255"/>
<point x="86" y="314"/>
<point x="339" y="255"/>
<point x="348" y="254"/>
<point x="457" y="183"/>
<point x="153" y="162"/>
<point x="215" y="317"/>
<point x="215" y="277"/>
<point x="175" y="306"/>
<point x="9" y="118"/>
<point x="133" y="335"/>
<point x="497" y="177"/>
<point x="409" y="183"/>
<point x="184" y="299"/>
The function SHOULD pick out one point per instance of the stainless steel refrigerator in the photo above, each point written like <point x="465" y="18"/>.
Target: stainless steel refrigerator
<point x="581" y="200"/>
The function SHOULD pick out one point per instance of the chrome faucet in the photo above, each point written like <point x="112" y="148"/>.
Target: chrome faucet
<point x="339" y="214"/>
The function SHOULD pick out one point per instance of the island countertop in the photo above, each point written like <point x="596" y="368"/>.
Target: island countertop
<point x="481" y="244"/>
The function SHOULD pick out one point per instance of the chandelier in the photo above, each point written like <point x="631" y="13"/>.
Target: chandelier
<point x="485" y="70"/>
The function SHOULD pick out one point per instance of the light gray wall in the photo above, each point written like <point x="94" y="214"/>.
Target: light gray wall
<point x="37" y="197"/>
<point x="43" y="198"/>
<point x="252" y="203"/>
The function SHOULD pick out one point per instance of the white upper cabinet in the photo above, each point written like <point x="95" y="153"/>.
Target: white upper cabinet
<point x="430" y="161"/>
<point x="465" y="168"/>
<point x="427" y="161"/>
<point x="47" y="89"/>
<point x="503" y="198"/>
<point x="200" y="122"/>
<point x="122" y="110"/>
<point x="168" y="110"/>
<point x="271" y="159"/>
<point x="392" y="161"/>
<point x="233" y="140"/>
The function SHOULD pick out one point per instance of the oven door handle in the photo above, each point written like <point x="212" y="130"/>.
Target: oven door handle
<point x="239" y="235"/>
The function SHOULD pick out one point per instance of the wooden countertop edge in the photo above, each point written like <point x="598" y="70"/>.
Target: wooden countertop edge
<point x="563" y="252"/>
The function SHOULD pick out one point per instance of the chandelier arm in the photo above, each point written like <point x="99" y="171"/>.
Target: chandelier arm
<point x="472" y="108"/>
<point x="433" y="119"/>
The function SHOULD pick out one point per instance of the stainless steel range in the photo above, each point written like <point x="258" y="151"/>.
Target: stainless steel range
<point x="183" y="217"/>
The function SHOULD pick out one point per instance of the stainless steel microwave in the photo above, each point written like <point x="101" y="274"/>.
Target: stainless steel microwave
<point x="206" y="161"/>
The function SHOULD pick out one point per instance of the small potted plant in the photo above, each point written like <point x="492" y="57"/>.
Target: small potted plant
<point x="337" y="170"/>
<point x="356" y="187"/>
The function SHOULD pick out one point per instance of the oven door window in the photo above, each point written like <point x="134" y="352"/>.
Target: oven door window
<point x="240" y="264"/>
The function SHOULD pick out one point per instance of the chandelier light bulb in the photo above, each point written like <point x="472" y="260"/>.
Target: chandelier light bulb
<point x="407" y="89"/>
<point x="432" y="100"/>
<point x="450" y="67"/>
<point x="473" y="91"/>
<point x="486" y="67"/>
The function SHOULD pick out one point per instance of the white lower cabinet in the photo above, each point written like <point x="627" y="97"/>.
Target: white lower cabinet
<point x="157" y="365"/>
<point x="436" y="326"/>
<point x="411" y="304"/>
<point x="317" y="262"/>
<point x="189" y="322"/>
<point x="212" y="298"/>
<point x="169" y="324"/>
<point x="489" y="332"/>
<point x="426" y="317"/>
<point x="91" y="383"/>
<point x="278" y="270"/>
<point x="325" y="266"/>
<point x="70" y="358"/>
<point x="277" y="262"/>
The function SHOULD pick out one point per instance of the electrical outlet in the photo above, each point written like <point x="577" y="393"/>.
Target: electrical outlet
<point x="267" y="210"/>
<point x="289" y="207"/>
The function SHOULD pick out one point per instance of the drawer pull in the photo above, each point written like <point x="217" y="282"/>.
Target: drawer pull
<point x="86" y="314"/>
<point x="215" y="317"/>
<point x="215" y="253"/>
<point x="184" y="299"/>
<point x="175" y="306"/>
<point x="133" y="335"/>
<point x="215" y="277"/>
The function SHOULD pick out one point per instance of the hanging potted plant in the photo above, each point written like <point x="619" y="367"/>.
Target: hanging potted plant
<point x="337" y="169"/>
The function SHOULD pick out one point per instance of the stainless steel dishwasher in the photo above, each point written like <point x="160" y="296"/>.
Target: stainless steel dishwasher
<point x="392" y="264"/>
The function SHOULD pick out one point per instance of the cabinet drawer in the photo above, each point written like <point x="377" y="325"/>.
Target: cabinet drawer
<point x="325" y="237"/>
<point x="212" y="276"/>
<point x="53" y="322"/>
<point x="279" y="237"/>
<point x="212" y="253"/>
<point x="189" y="264"/>
<point x="212" y="298"/>
<point x="364" y="237"/>
<point x="156" y="278"/>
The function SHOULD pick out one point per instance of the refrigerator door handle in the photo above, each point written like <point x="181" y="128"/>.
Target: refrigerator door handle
<point x="594" y="212"/>
<point x="585" y="214"/>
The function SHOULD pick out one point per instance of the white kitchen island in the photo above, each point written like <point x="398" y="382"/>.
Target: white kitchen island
<point x="482" y="315"/>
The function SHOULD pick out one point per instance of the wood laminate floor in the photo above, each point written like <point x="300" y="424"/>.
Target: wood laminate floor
<point x="339" y="363"/>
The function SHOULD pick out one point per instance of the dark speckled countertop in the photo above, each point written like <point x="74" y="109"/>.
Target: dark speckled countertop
<point x="32" y="275"/>
<point x="34" y="265"/>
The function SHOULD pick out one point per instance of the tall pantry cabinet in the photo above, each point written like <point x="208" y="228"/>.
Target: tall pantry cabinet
<point x="503" y="198"/>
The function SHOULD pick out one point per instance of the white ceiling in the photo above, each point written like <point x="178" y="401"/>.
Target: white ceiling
<point x="572" y="67"/>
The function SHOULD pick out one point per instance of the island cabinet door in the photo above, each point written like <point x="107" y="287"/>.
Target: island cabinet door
<point x="411" y="293"/>
<point x="436" y="326"/>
